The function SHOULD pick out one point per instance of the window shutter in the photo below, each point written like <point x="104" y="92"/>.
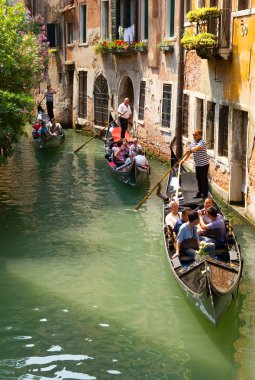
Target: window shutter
<point x="115" y="9"/>
<point x="58" y="35"/>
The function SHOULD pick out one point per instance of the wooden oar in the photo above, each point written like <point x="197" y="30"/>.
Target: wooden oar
<point x="164" y="176"/>
<point x="97" y="134"/>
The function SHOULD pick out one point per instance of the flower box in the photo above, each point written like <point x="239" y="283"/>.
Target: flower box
<point x="166" y="48"/>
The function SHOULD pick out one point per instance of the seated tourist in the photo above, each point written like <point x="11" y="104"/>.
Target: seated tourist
<point x="140" y="159"/>
<point x="187" y="239"/>
<point x="215" y="231"/>
<point x="119" y="154"/>
<point x="183" y="219"/>
<point x="55" y="128"/>
<point x="44" y="132"/>
<point x="173" y="215"/>
<point x="36" y="128"/>
<point x="134" y="147"/>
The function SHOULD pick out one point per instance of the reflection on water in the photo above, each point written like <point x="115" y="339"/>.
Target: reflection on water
<point x="86" y="292"/>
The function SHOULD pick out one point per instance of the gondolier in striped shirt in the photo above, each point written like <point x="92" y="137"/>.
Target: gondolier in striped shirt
<point x="199" y="151"/>
<point x="48" y="94"/>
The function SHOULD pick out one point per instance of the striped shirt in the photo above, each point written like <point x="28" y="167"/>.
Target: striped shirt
<point x="49" y="95"/>
<point x="200" y="156"/>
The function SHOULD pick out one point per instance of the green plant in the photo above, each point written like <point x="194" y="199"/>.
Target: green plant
<point x="52" y="51"/>
<point x="110" y="46"/>
<point x="140" y="44"/>
<point x="202" y="249"/>
<point x="203" y="14"/>
<point x="201" y="40"/>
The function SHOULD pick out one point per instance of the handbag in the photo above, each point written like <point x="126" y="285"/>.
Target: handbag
<point x="189" y="243"/>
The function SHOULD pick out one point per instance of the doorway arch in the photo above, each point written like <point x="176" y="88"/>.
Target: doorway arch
<point x="101" y="100"/>
<point x="126" y="90"/>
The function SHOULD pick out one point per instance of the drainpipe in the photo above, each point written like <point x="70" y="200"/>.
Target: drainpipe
<point x="180" y="84"/>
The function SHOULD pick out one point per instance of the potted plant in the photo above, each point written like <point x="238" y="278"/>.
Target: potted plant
<point x="189" y="41"/>
<point x="166" y="45"/>
<point x="205" y="44"/>
<point x="140" y="46"/>
<point x="204" y="13"/>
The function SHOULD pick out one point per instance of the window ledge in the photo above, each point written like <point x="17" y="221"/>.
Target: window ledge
<point x="140" y="122"/>
<point x="165" y="129"/>
<point x="222" y="160"/>
<point x="83" y="44"/>
<point x="210" y="153"/>
<point x="70" y="45"/>
<point x="172" y="38"/>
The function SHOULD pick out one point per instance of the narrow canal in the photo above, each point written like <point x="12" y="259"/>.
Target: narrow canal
<point x="85" y="288"/>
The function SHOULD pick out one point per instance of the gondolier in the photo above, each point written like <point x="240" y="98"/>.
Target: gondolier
<point x="125" y="111"/>
<point x="48" y="94"/>
<point x="199" y="151"/>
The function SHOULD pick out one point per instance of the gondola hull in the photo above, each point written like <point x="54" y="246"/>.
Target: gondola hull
<point x="210" y="283"/>
<point x="130" y="174"/>
<point x="53" y="142"/>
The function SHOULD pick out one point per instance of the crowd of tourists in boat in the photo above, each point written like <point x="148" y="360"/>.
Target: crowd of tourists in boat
<point x="190" y="228"/>
<point x="122" y="153"/>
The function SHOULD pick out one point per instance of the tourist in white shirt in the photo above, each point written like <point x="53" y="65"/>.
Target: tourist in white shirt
<point x="140" y="159"/>
<point x="134" y="147"/>
<point x="125" y="114"/>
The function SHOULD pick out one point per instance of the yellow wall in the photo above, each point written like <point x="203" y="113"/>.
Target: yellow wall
<point x="242" y="68"/>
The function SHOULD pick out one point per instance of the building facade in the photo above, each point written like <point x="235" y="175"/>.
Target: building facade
<point x="172" y="91"/>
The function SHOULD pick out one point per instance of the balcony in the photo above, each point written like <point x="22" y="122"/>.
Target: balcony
<point x="214" y="24"/>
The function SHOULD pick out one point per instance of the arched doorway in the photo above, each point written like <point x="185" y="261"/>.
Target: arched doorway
<point x="126" y="90"/>
<point x="101" y="100"/>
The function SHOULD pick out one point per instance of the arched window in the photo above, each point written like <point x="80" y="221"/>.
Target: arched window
<point x="101" y="99"/>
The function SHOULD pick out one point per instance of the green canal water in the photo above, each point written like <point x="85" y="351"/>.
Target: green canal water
<point x="85" y="287"/>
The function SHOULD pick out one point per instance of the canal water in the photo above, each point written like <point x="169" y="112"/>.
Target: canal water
<point x="85" y="287"/>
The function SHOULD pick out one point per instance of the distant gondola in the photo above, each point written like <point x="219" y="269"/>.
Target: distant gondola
<point x="211" y="283"/>
<point x="130" y="173"/>
<point x="53" y="141"/>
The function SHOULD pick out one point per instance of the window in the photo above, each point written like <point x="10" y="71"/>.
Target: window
<point x="141" y="100"/>
<point x="210" y="116"/>
<point x="54" y="35"/>
<point x="185" y="121"/>
<point x="82" y="106"/>
<point x="124" y="20"/>
<point x="200" y="3"/>
<point x="223" y="131"/>
<point x="170" y="18"/>
<point x="83" y="23"/>
<point x="105" y="19"/>
<point x="69" y="33"/>
<point x="101" y="101"/>
<point x="200" y="114"/>
<point x="166" y="105"/>
<point x="144" y="20"/>
<point x="243" y="4"/>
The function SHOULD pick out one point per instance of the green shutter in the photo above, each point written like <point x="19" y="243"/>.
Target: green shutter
<point x="172" y="6"/>
<point x="146" y="17"/>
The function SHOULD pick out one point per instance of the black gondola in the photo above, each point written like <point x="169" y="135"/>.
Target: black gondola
<point x="211" y="283"/>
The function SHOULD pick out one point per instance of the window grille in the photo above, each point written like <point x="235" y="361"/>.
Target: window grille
<point x="82" y="107"/>
<point x="223" y="131"/>
<point x="166" y="105"/>
<point x="142" y="100"/>
<point x="210" y="119"/>
<point x="185" y="120"/>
